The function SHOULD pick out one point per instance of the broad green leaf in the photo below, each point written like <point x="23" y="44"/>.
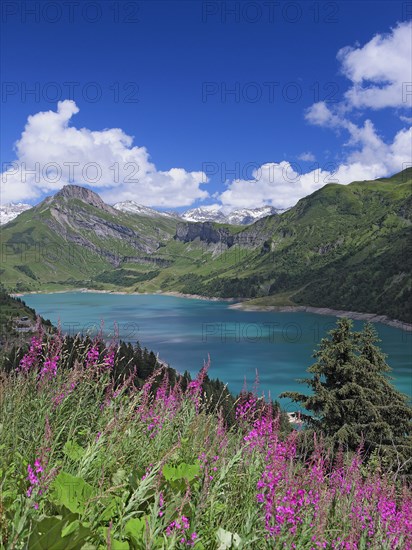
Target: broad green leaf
<point x="72" y="492"/>
<point x="135" y="529"/>
<point x="77" y="528"/>
<point x="227" y="540"/>
<point x="119" y="545"/>
<point x="114" y="543"/>
<point x="73" y="450"/>
<point x="47" y="534"/>
<point x="182" y="471"/>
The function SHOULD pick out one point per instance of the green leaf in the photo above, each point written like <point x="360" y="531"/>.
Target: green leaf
<point x="73" y="450"/>
<point x="119" y="545"/>
<point x="76" y="527"/>
<point x="111" y="507"/>
<point x="119" y="477"/>
<point x="135" y="529"/>
<point x="72" y="492"/>
<point x="46" y="534"/>
<point x="227" y="540"/>
<point x="182" y="471"/>
<point x="55" y="533"/>
<point x="115" y="543"/>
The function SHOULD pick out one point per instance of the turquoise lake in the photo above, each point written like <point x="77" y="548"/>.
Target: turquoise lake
<point x="184" y="331"/>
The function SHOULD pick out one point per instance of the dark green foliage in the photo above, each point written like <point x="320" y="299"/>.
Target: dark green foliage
<point x="353" y="403"/>
<point x="125" y="277"/>
<point x="222" y="287"/>
<point x="27" y="271"/>
<point x="382" y="277"/>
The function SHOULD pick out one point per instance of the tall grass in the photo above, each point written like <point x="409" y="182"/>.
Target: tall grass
<point x="89" y="463"/>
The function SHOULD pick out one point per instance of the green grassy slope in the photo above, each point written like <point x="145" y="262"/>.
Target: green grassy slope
<point x="344" y="246"/>
<point x="67" y="243"/>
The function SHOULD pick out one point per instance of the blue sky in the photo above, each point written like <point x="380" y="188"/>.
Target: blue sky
<point x="162" y="74"/>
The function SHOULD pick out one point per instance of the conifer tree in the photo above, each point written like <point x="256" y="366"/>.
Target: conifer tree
<point x="353" y="402"/>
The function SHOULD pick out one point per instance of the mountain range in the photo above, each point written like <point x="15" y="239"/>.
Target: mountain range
<point x="212" y="213"/>
<point x="344" y="247"/>
<point x="240" y="216"/>
<point x="243" y="216"/>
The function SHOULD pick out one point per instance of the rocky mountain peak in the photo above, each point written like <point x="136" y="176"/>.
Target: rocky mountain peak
<point x="83" y="194"/>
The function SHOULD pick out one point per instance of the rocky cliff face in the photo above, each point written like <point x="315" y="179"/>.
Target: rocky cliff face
<point x="206" y="232"/>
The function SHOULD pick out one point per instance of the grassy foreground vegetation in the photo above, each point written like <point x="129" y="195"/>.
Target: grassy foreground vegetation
<point x="97" y="452"/>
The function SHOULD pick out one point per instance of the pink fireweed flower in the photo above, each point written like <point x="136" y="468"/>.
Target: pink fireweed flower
<point x="49" y="369"/>
<point x="64" y="392"/>
<point x="32" y="476"/>
<point x="92" y="356"/>
<point x="246" y="408"/>
<point x="32" y="357"/>
<point x="264" y="430"/>
<point x="179" y="528"/>
<point x="108" y="359"/>
<point x="155" y="412"/>
<point x="161" y="504"/>
<point x="221" y="427"/>
<point x="194" y="387"/>
<point x="148" y="470"/>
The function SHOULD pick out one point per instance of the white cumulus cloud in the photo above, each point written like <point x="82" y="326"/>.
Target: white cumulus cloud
<point x="380" y="77"/>
<point x="51" y="153"/>
<point x="381" y="70"/>
<point x="380" y="73"/>
<point x="282" y="184"/>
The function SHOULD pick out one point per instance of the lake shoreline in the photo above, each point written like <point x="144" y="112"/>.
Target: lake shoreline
<point x="123" y="293"/>
<point x="242" y="304"/>
<point x="355" y="315"/>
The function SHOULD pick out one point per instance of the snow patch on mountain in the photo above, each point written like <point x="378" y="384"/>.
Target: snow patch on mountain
<point x="209" y="213"/>
<point x="9" y="212"/>
<point x="213" y="213"/>
<point x="241" y="216"/>
<point x="132" y="207"/>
